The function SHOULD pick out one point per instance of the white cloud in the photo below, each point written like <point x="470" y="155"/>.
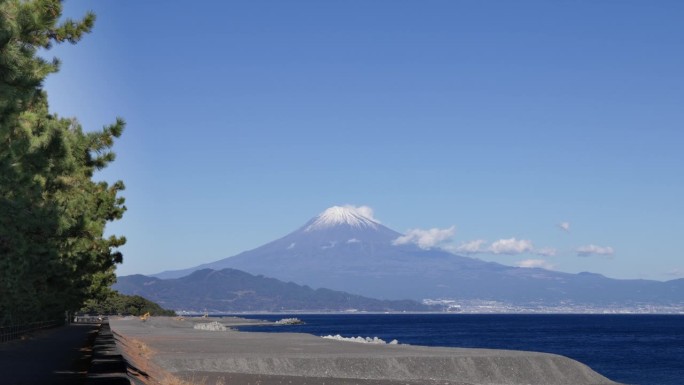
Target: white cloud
<point x="472" y="247"/>
<point x="353" y="240"/>
<point x="292" y="245"/>
<point x="565" y="226"/>
<point x="546" y="251"/>
<point x="511" y="246"/>
<point x="363" y="210"/>
<point x="589" y="250"/>
<point x="531" y="263"/>
<point x="426" y="239"/>
<point x="677" y="273"/>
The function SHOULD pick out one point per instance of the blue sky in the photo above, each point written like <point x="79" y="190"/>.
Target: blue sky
<point x="502" y="119"/>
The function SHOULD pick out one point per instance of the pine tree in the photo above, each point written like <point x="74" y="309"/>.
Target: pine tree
<point x="53" y="253"/>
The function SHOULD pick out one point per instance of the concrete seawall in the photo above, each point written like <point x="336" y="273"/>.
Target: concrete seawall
<point x="166" y="347"/>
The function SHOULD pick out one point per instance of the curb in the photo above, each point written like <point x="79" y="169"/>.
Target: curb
<point x="108" y="367"/>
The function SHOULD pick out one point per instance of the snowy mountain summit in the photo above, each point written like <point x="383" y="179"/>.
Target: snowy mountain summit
<point x="356" y="217"/>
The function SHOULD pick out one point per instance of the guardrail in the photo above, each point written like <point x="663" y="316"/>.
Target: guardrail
<point x="9" y="333"/>
<point x="89" y="319"/>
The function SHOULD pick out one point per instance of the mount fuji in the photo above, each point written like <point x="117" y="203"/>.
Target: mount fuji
<point x="345" y="249"/>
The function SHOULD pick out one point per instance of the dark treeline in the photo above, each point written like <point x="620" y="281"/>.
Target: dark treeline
<point x="120" y="304"/>
<point x="53" y="252"/>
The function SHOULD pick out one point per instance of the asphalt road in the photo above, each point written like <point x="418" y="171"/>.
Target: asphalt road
<point x="55" y="356"/>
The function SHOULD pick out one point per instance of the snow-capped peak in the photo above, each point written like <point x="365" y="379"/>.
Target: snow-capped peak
<point x="358" y="217"/>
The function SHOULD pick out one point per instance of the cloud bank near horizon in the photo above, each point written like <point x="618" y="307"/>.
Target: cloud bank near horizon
<point x="443" y="238"/>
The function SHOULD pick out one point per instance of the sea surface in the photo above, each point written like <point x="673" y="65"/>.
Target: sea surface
<point x="631" y="349"/>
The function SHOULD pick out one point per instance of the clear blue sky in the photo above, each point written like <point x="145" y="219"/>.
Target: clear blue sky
<point x="503" y="119"/>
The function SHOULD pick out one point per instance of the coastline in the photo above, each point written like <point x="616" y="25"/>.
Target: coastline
<point x="169" y="350"/>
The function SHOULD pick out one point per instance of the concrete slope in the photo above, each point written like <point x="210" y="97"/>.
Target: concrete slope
<point x="180" y="349"/>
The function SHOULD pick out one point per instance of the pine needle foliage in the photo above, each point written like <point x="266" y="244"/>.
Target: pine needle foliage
<point x="53" y="252"/>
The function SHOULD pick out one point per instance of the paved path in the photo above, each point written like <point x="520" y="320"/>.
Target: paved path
<point x="55" y="356"/>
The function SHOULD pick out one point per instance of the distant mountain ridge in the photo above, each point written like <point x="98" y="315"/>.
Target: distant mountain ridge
<point x="345" y="249"/>
<point x="231" y="290"/>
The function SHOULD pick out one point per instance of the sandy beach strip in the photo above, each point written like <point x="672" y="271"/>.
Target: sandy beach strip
<point x="166" y="350"/>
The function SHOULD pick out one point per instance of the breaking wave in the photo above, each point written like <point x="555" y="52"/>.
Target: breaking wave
<point x="366" y="340"/>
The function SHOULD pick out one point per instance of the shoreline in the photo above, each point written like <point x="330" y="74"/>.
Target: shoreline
<point x="297" y="312"/>
<point x="170" y="348"/>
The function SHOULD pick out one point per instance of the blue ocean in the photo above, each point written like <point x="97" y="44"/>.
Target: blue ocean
<point x="631" y="349"/>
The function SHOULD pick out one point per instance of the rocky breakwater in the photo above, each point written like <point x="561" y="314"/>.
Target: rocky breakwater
<point x="172" y="348"/>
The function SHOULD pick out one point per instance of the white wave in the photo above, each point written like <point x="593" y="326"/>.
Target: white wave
<point x="366" y="340"/>
<point x="211" y="326"/>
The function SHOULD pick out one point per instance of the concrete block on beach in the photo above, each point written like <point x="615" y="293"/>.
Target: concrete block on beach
<point x="166" y="348"/>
